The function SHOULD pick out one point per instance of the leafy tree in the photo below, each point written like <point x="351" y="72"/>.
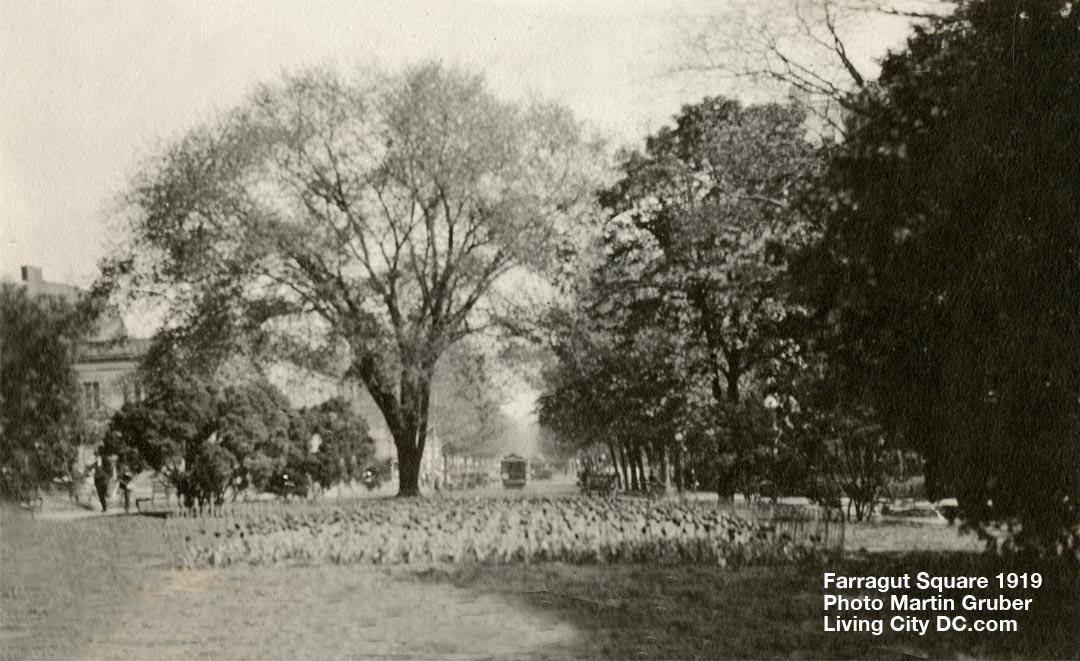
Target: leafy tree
<point x="252" y="422"/>
<point x="40" y="418"/>
<point x="357" y="227"/>
<point x="711" y="200"/>
<point x="172" y="432"/>
<point x="465" y="408"/>
<point x="344" y="449"/>
<point x="847" y="452"/>
<point x="202" y="435"/>
<point x="178" y="414"/>
<point x="621" y="379"/>
<point x="589" y="403"/>
<point x="949" y="269"/>
<point x="688" y="289"/>
<point x="209" y="474"/>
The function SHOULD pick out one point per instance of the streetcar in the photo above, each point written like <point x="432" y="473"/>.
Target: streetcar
<point x="514" y="471"/>
<point x="539" y="470"/>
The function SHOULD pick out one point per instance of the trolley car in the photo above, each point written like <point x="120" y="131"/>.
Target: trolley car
<point x="514" y="471"/>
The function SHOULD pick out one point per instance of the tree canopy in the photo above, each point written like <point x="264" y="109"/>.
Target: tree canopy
<point x="709" y="219"/>
<point x="949" y="273"/>
<point x="362" y="227"/>
<point x="685" y="309"/>
<point x="209" y="432"/>
<point x="40" y="419"/>
<point x="329" y="442"/>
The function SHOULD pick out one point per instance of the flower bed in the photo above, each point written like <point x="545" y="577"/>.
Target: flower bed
<point x="575" y="530"/>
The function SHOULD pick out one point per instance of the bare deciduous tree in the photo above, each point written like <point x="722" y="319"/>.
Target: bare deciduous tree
<point x="797" y="47"/>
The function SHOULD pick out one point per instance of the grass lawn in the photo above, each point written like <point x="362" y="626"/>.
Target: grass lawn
<point x="104" y="588"/>
<point x="695" y="612"/>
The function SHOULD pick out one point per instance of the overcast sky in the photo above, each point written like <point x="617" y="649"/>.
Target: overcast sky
<point x="87" y="87"/>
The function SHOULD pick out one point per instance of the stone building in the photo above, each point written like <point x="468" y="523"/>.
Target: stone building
<point x="108" y="375"/>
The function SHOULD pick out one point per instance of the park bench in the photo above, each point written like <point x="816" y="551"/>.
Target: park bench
<point x="73" y="485"/>
<point x="158" y="503"/>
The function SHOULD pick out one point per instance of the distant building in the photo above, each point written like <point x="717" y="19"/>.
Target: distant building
<point x="106" y="361"/>
<point x="824" y="115"/>
<point x="108" y="374"/>
<point x="110" y="325"/>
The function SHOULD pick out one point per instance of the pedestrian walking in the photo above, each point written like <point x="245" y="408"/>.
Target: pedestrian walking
<point x="102" y="475"/>
<point x="125" y="488"/>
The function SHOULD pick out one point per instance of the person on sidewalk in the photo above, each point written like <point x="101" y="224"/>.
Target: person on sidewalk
<point x="125" y="488"/>
<point x="102" y="475"/>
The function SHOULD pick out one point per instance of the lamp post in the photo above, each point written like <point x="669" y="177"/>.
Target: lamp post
<point x="772" y="404"/>
<point x="36" y="473"/>
<point x="679" y="456"/>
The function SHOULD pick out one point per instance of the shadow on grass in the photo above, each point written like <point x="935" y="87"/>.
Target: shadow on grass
<point x="106" y="587"/>
<point x="639" y="611"/>
<point x="59" y="582"/>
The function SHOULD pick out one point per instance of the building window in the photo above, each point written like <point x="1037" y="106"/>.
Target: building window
<point x="92" y="396"/>
<point x="134" y="392"/>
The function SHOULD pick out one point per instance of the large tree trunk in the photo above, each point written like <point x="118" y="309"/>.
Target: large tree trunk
<point x="733" y="394"/>
<point x="624" y="462"/>
<point x="680" y="479"/>
<point x="615" y="461"/>
<point x="410" y="443"/>
<point x="407" y="419"/>
<point x="665" y="465"/>
<point x="408" y="469"/>
<point x="630" y="450"/>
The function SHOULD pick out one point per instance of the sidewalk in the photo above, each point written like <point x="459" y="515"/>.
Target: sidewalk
<point x="58" y="508"/>
<point x="75" y="514"/>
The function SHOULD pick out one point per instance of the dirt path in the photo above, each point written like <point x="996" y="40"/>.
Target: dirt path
<point x="320" y="613"/>
<point x="99" y="587"/>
